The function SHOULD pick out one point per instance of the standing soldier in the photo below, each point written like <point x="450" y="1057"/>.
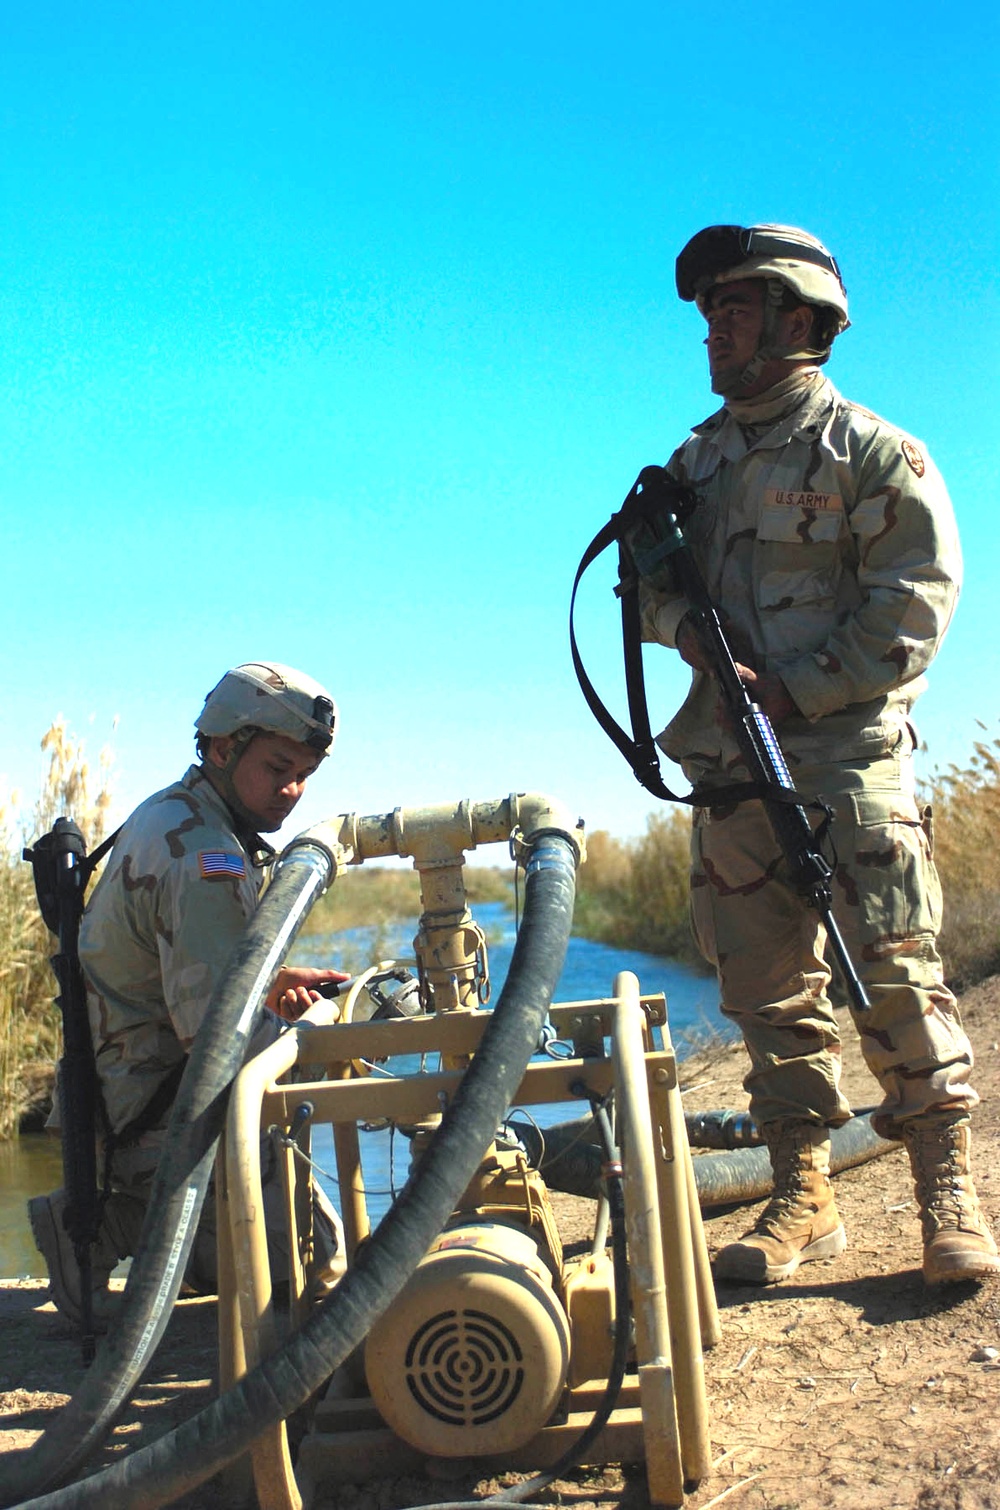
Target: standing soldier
<point x="827" y="540"/>
<point x="177" y="891"/>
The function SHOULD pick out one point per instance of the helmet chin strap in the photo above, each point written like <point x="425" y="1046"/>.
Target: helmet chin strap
<point x="221" y="778"/>
<point x="768" y="347"/>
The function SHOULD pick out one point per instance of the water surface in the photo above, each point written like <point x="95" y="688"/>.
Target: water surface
<point x="588" y="972"/>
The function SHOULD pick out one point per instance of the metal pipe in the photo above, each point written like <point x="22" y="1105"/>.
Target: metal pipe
<point x="571" y="1161"/>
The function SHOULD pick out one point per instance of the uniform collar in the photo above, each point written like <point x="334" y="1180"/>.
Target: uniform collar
<point x="195" y="780"/>
<point x="806" y="422"/>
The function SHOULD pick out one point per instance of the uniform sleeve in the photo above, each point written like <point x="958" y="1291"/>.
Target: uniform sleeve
<point x="200" y="918"/>
<point x="660" y="614"/>
<point x="908" y="572"/>
<point x="661" y="610"/>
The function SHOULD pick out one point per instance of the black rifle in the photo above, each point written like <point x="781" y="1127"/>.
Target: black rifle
<point x="62" y="870"/>
<point x="649" y="527"/>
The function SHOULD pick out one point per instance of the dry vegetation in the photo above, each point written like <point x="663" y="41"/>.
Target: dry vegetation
<point x="29" y="1018"/>
<point x="373" y="895"/>
<point x="966" y="802"/>
<point x="632" y="893"/>
<point x="635" y="892"/>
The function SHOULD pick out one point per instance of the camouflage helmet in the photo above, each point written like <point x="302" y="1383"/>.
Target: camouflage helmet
<point x="265" y="696"/>
<point x="725" y="253"/>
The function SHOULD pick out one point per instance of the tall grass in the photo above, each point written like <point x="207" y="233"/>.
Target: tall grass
<point x="30" y="1033"/>
<point x="377" y="894"/>
<point x="966" y="804"/>
<point x="635" y="892"/>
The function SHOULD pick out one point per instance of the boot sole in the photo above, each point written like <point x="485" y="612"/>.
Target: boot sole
<point x="749" y="1266"/>
<point x="967" y="1268"/>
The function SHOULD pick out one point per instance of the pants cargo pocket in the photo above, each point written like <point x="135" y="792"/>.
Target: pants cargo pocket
<point x="889" y="874"/>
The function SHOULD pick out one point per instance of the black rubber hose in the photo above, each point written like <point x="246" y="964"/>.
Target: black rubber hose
<point x="728" y="1129"/>
<point x="157" y="1474"/>
<point x="732" y="1178"/>
<point x="180" y="1183"/>
<point x="570" y="1161"/>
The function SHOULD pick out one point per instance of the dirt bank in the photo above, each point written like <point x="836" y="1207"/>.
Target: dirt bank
<point x="849" y="1387"/>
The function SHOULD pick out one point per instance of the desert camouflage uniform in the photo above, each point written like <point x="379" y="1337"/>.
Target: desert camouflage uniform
<point x="175" y="897"/>
<point x="156" y="936"/>
<point x="827" y="538"/>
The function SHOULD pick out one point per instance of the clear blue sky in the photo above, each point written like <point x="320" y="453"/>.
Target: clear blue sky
<point x="330" y="334"/>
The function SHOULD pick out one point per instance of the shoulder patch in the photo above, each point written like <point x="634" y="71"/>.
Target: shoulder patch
<point x="913" y="457"/>
<point x="220" y="864"/>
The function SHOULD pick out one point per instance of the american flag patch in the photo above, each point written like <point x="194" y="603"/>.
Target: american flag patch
<point x="215" y="863"/>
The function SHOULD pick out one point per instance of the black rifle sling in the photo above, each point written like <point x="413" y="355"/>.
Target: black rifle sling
<point x="639" y="749"/>
<point x="163" y="1097"/>
<point x="91" y="862"/>
<point x="646" y="764"/>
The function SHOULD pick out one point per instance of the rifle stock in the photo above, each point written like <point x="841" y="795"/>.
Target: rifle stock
<point x="59" y="862"/>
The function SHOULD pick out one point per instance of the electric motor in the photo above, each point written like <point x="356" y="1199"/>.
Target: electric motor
<point x="471" y="1358"/>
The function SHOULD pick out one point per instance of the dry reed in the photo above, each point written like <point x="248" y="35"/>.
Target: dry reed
<point x="635" y="892"/>
<point x="373" y="895"/>
<point x="966" y="824"/>
<point x="30" y="1033"/>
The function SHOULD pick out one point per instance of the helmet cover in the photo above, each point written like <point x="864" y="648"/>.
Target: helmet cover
<point x="274" y="699"/>
<point x="726" y="253"/>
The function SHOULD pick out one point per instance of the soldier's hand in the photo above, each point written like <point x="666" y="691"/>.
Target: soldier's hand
<point x="691" y="649"/>
<point x="295" y="989"/>
<point x="689" y="646"/>
<point x="769" y="692"/>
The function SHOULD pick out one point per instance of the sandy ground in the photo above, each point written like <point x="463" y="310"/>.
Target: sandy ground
<point x="848" y="1386"/>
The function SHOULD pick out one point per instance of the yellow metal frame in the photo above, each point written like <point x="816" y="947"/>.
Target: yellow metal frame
<point x="662" y="1414"/>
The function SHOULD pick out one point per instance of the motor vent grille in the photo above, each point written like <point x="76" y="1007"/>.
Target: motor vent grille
<point x="464" y="1367"/>
<point x="471" y="1357"/>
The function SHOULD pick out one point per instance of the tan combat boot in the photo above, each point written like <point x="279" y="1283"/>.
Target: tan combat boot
<point x="46" y="1214"/>
<point x="801" y="1221"/>
<point x="121" y="1223"/>
<point x="958" y="1245"/>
